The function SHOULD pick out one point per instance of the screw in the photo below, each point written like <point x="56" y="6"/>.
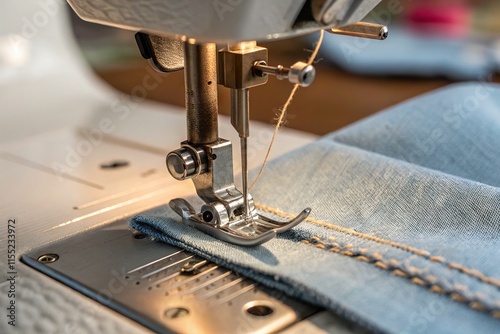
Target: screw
<point x="176" y="312"/>
<point x="48" y="258"/>
<point x="182" y="164"/>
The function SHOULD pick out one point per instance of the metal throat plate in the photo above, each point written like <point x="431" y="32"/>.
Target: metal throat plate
<point x="163" y="287"/>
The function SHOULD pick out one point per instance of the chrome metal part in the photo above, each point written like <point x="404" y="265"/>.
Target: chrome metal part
<point x="300" y="73"/>
<point x="216" y="183"/>
<point x="227" y="214"/>
<point x="214" y="180"/>
<point x="242" y="232"/>
<point x="165" y="288"/>
<point x="236" y="72"/>
<point x="48" y="258"/>
<point x="201" y="92"/>
<point x="236" y="63"/>
<point x="324" y="322"/>
<point x="244" y="176"/>
<point x="240" y="113"/>
<point x="193" y="267"/>
<point x="240" y="119"/>
<point x="363" y="30"/>
<point x="186" y="162"/>
<point x="206" y="158"/>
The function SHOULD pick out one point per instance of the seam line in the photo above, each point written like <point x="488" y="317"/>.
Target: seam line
<point x="419" y="252"/>
<point x="417" y="276"/>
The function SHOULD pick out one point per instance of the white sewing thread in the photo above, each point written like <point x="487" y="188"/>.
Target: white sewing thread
<point x="282" y="115"/>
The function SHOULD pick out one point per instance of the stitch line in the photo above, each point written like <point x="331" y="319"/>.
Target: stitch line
<point x="458" y="293"/>
<point x="422" y="253"/>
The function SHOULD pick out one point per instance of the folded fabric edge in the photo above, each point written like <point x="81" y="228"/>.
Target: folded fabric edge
<point x="285" y="285"/>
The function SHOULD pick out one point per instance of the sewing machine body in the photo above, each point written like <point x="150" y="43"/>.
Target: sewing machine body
<point x="58" y="189"/>
<point x="173" y="42"/>
<point x="224" y="21"/>
<point x="78" y="160"/>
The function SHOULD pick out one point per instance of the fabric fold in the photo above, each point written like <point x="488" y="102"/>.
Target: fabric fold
<point x="394" y="244"/>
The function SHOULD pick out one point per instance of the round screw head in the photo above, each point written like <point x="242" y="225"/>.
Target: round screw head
<point x="181" y="164"/>
<point x="176" y="312"/>
<point x="48" y="258"/>
<point x="302" y="74"/>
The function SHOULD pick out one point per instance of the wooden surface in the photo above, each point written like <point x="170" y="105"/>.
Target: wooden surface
<point x="335" y="99"/>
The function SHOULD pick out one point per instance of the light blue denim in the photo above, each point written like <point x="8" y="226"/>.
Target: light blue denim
<point x="406" y="209"/>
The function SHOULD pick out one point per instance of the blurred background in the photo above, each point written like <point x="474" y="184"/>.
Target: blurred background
<point x="431" y="44"/>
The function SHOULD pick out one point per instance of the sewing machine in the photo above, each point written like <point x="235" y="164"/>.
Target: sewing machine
<point x="162" y="287"/>
<point x="228" y="213"/>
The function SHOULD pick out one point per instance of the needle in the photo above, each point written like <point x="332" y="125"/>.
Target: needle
<point x="244" y="175"/>
<point x="240" y="120"/>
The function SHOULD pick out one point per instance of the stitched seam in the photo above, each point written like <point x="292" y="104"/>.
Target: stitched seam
<point x="417" y="276"/>
<point x="422" y="253"/>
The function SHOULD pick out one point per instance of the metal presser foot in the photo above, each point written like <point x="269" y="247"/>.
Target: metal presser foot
<point x="227" y="214"/>
<point x="244" y="231"/>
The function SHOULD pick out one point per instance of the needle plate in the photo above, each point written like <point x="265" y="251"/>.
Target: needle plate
<point x="163" y="287"/>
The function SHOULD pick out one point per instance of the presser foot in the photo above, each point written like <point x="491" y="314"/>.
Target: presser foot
<point x="243" y="231"/>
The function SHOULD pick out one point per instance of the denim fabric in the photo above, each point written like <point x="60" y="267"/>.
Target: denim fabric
<point x="404" y="236"/>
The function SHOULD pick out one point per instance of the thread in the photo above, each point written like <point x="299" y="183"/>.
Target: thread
<point x="419" y="252"/>
<point x="459" y="293"/>
<point x="284" y="109"/>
